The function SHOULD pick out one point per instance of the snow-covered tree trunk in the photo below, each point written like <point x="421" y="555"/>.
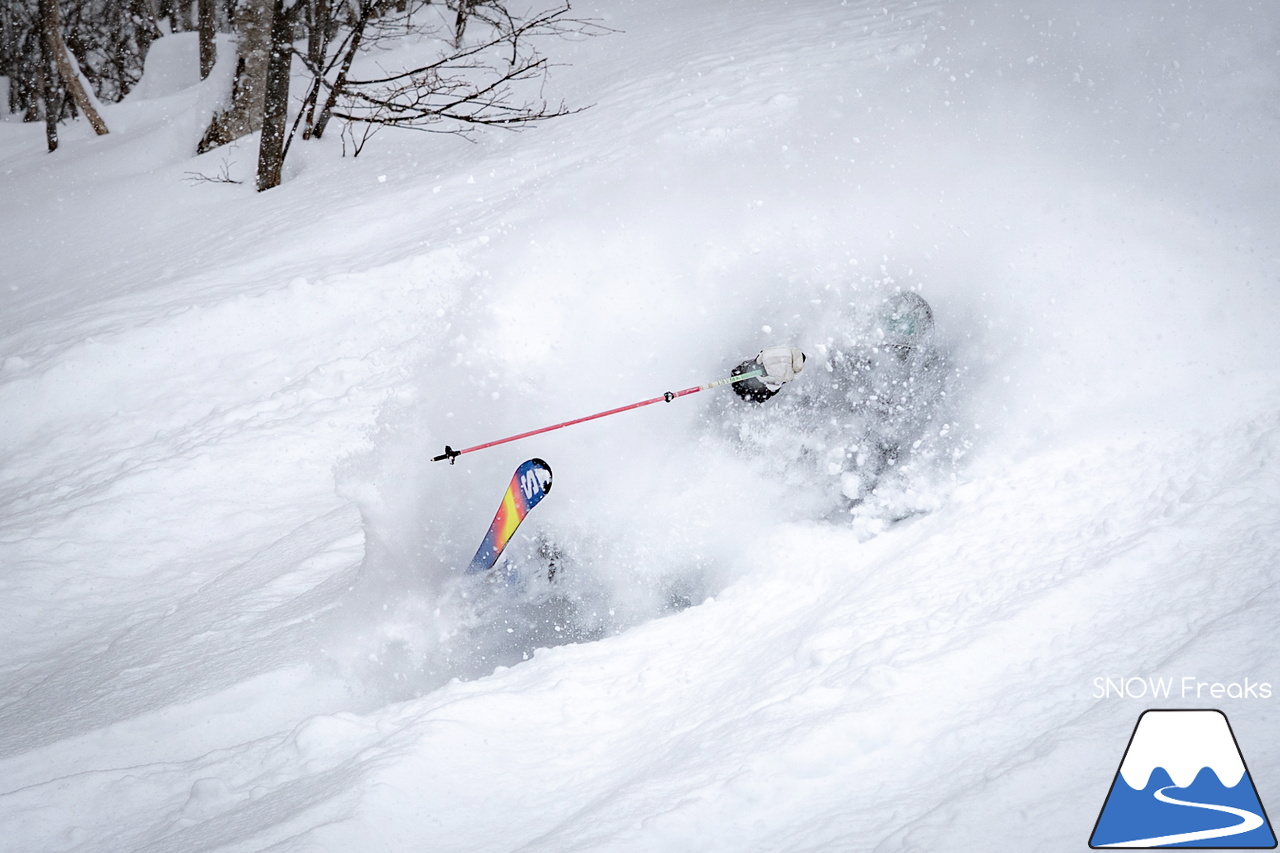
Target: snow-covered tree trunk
<point x="275" y="105"/>
<point x="51" y="94"/>
<point x="253" y="49"/>
<point x="68" y="69"/>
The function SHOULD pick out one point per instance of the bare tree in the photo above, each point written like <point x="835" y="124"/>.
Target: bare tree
<point x="21" y="58"/>
<point x="147" y="14"/>
<point x="98" y="49"/>
<point x="67" y="67"/>
<point x="320" y="30"/>
<point x="485" y="82"/>
<point x="485" y="70"/>
<point x="253" y="52"/>
<point x="463" y="10"/>
<point x="179" y="14"/>
<point x="207" y="21"/>
<point x="348" y="51"/>
<point x="50" y="93"/>
<point x="275" y="104"/>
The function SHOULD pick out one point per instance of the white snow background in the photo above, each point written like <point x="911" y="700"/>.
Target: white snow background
<point x="231" y="612"/>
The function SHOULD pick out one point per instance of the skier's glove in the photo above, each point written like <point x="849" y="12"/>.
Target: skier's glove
<point x="781" y="365"/>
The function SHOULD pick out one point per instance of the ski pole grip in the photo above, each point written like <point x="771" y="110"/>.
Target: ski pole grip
<point x="449" y="453"/>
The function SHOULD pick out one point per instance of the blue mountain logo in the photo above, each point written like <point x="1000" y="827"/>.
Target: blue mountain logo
<point x="1183" y="783"/>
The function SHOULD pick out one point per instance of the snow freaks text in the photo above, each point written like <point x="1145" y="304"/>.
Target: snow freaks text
<point x="1186" y="687"/>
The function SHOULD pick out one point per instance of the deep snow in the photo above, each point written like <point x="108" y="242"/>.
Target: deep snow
<point x="232" y="615"/>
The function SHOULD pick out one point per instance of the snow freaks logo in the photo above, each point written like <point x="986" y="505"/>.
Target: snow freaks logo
<point x="1187" y="687"/>
<point x="1183" y="783"/>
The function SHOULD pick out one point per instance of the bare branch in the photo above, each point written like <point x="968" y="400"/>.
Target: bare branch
<point x="223" y="176"/>
<point x="489" y="82"/>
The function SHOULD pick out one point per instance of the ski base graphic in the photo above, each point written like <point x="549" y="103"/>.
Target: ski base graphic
<point x="529" y="485"/>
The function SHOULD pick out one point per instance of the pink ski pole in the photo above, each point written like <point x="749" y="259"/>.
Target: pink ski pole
<point x="451" y="454"/>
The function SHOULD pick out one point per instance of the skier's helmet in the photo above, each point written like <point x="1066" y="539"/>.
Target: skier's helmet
<point x="907" y="321"/>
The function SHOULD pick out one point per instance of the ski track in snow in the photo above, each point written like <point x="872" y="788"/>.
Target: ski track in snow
<point x="230" y="621"/>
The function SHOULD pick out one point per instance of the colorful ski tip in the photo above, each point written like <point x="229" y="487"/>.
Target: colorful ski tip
<point x="529" y="485"/>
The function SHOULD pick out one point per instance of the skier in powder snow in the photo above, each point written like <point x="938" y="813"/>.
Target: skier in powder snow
<point x="861" y="420"/>
<point x="859" y="437"/>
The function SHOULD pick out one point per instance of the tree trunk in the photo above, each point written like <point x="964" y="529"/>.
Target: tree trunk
<point x="318" y="34"/>
<point x="275" y="100"/>
<point x="146" y="12"/>
<point x="68" y="68"/>
<point x="52" y="97"/>
<point x="357" y="32"/>
<point x="180" y="16"/>
<point x="465" y="10"/>
<point x="208" y="47"/>
<point x="244" y="116"/>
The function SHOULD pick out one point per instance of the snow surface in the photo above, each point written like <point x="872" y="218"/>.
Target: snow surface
<point x="232" y="614"/>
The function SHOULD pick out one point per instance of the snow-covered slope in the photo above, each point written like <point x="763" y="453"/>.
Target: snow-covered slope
<point x="231" y="612"/>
